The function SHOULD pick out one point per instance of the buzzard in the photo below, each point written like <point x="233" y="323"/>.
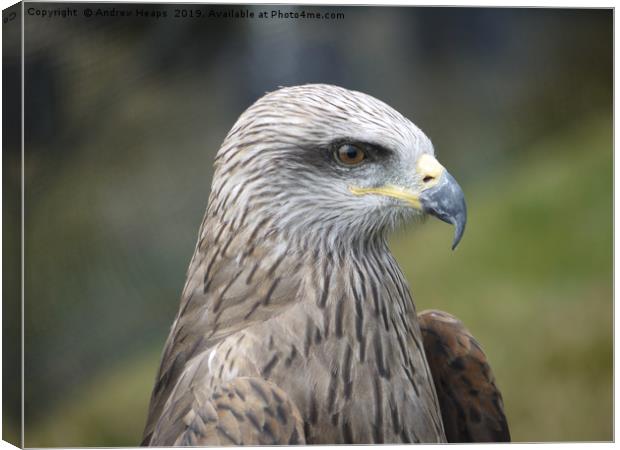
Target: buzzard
<point x="296" y="324"/>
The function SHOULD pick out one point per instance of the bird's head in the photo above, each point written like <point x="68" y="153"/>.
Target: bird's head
<point x="323" y="159"/>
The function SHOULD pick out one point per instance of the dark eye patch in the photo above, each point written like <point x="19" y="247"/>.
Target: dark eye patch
<point x="374" y="152"/>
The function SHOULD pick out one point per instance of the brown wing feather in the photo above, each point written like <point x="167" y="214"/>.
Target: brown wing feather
<point x="243" y="411"/>
<point x="471" y="404"/>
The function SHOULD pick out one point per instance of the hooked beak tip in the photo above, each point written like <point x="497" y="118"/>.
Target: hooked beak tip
<point x="458" y="233"/>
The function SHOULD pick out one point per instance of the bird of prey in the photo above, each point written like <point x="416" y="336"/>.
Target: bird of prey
<point x="296" y="324"/>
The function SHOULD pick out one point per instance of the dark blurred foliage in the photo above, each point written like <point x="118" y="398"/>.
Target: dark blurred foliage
<point x="11" y="231"/>
<point x="124" y="116"/>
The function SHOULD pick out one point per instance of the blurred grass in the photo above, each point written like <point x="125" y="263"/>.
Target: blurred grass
<point x="108" y="411"/>
<point x="532" y="280"/>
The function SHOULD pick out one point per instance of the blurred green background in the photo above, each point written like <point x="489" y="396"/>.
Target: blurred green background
<point x="124" y="116"/>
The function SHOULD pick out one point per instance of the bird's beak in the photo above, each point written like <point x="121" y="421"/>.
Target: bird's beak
<point x="446" y="201"/>
<point x="440" y="195"/>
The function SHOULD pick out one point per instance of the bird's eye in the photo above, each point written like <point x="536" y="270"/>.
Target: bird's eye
<point x="350" y="155"/>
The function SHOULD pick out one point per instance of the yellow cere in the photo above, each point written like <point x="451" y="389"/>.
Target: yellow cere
<point x="430" y="170"/>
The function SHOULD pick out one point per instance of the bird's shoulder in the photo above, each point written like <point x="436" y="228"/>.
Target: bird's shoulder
<point x="471" y="403"/>
<point x="241" y="411"/>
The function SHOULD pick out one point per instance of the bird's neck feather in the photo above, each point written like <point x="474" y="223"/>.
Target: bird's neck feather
<point x="348" y="276"/>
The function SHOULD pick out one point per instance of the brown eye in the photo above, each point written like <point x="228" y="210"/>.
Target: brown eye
<point x="350" y="155"/>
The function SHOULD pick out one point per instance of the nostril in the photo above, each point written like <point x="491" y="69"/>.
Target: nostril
<point x="428" y="178"/>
